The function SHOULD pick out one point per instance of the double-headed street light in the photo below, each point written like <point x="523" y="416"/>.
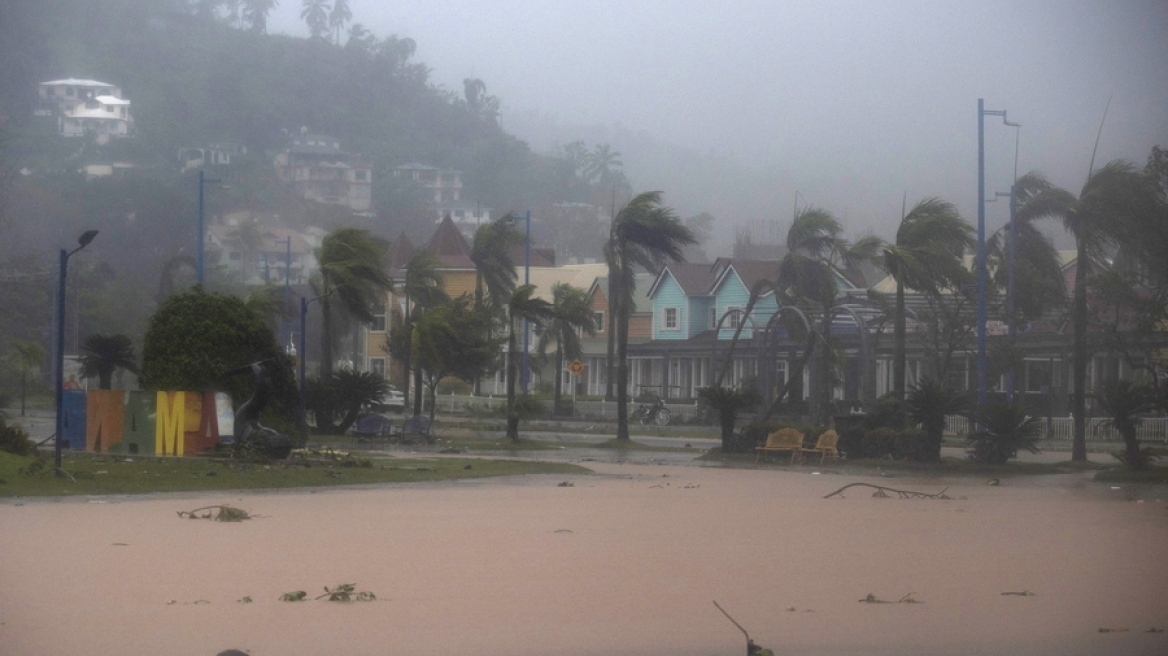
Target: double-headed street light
<point x="63" y="269"/>
<point x="982" y="112"/>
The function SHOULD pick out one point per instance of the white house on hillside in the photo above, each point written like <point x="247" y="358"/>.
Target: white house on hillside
<point x="86" y="107"/>
<point x="319" y="170"/>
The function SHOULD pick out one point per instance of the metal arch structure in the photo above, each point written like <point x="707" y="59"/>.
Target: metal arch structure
<point x="746" y="316"/>
<point x="865" y="348"/>
<point x="769" y="349"/>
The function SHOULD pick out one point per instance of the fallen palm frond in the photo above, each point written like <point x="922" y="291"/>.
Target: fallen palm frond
<point x="1024" y="593"/>
<point x="883" y="492"/>
<point x="216" y="513"/>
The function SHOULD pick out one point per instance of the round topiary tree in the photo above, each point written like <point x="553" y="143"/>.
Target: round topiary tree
<point x="196" y="338"/>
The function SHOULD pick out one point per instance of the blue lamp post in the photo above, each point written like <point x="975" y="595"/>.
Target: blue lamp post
<point x="982" y="112"/>
<point x="303" y="357"/>
<point x="82" y="242"/>
<point x="202" y="238"/>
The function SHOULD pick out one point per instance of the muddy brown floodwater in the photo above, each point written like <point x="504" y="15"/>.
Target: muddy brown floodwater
<point x="625" y="561"/>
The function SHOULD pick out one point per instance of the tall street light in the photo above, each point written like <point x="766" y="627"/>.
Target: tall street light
<point x="202" y="238"/>
<point x="304" y="357"/>
<point x="982" y="112"/>
<point x="82" y="242"/>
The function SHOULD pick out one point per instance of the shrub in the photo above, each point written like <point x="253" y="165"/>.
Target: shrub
<point x="1006" y="428"/>
<point x="928" y="403"/>
<point x="14" y="440"/>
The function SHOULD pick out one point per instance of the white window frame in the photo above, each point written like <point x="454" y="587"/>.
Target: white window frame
<point x="600" y="316"/>
<point x="666" y="313"/>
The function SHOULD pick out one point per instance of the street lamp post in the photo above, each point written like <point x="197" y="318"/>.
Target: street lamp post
<point x="982" y="112"/>
<point x="304" y="357"/>
<point x="202" y="238"/>
<point x="63" y="269"/>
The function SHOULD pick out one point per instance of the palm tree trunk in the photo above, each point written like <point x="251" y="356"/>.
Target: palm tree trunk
<point x="559" y="379"/>
<point x="326" y="336"/>
<point x="899" y="348"/>
<point x="512" y="374"/>
<point x="622" y="361"/>
<point x="23" y="388"/>
<point x="1081" y="354"/>
<point x="609" y="355"/>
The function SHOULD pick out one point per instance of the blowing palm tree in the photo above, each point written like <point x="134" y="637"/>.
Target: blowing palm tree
<point x="572" y="313"/>
<point x="316" y="14"/>
<point x="1117" y="208"/>
<point x="352" y="272"/>
<point x="522" y="306"/>
<point x="424" y="289"/>
<point x="338" y="16"/>
<point x="495" y="275"/>
<point x="102" y="354"/>
<point x="807" y="275"/>
<point x="643" y="234"/>
<point x="926" y="257"/>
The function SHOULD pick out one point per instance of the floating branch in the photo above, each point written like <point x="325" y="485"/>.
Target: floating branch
<point x="883" y="492"/>
<point x="751" y="648"/>
<point x="216" y="513"/>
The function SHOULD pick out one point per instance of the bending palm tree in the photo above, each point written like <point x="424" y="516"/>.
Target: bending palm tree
<point x="102" y="354"/>
<point x="645" y="234"/>
<point x="424" y="289"/>
<point x="495" y="274"/>
<point x="521" y="307"/>
<point x="926" y="257"/>
<point x="1116" y="208"/>
<point x="572" y="312"/>
<point x="807" y="275"/>
<point x="352" y="271"/>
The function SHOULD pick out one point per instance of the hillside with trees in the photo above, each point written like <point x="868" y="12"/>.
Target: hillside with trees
<point x="198" y="72"/>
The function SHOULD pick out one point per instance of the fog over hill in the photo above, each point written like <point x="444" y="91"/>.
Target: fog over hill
<point x="734" y="107"/>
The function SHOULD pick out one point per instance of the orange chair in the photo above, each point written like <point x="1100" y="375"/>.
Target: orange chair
<point x="825" y="446"/>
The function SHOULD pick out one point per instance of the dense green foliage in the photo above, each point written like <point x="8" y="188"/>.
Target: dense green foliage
<point x="727" y="402"/>
<point x="196" y="338"/>
<point x="14" y="440"/>
<point x="928" y="404"/>
<point x="1005" y="430"/>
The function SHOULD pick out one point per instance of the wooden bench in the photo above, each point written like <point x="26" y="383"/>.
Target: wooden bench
<point x="784" y="439"/>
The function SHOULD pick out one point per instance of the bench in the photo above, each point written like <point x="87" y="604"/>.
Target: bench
<point x="374" y="426"/>
<point x="417" y="425"/>
<point x="784" y="439"/>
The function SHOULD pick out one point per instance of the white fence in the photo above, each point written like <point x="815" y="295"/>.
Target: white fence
<point x="586" y="410"/>
<point x="1151" y="429"/>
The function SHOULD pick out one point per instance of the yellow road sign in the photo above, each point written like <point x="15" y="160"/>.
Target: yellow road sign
<point x="576" y="367"/>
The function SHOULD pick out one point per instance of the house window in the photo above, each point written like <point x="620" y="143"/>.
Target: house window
<point x="377" y="366"/>
<point x="669" y="319"/>
<point x="598" y="317"/>
<point x="378" y="325"/>
<point x="713" y="318"/>
<point x="734" y="318"/>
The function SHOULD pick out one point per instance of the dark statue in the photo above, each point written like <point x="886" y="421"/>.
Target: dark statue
<point x="252" y="437"/>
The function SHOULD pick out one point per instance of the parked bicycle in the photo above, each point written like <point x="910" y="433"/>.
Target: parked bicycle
<point x="653" y="413"/>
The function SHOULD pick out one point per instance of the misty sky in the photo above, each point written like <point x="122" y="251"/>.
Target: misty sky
<point x="852" y="104"/>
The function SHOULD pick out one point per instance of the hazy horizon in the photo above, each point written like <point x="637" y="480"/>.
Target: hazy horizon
<point x="853" y="105"/>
